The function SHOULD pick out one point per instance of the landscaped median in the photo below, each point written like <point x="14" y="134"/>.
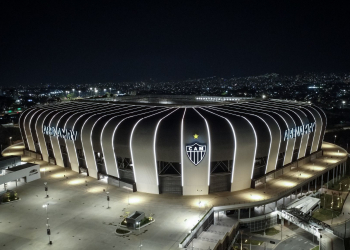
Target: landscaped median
<point x="144" y="222"/>
<point x="269" y="231"/>
<point x="120" y="231"/>
<point x="9" y="196"/>
<point x="246" y="243"/>
<point x="331" y="205"/>
<point x="343" y="184"/>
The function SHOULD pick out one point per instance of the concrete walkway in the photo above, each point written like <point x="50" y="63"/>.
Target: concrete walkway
<point x="79" y="217"/>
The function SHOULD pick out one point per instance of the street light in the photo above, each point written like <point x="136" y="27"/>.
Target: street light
<point x="343" y="103"/>
<point x="10" y="140"/>
<point x="48" y="230"/>
<point x="192" y="238"/>
<point x="199" y="198"/>
<point x="46" y="189"/>
<point x="107" y="199"/>
<point x="332" y="208"/>
<point x="241" y="231"/>
<point x="47" y="214"/>
<point x="335" y="137"/>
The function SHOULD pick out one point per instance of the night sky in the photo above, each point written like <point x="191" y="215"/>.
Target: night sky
<point x="100" y="41"/>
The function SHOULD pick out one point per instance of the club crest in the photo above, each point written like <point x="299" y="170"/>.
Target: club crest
<point x="196" y="152"/>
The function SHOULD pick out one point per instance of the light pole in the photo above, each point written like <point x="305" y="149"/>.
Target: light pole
<point x="335" y="137"/>
<point x="10" y="140"/>
<point x="79" y="92"/>
<point x="48" y="230"/>
<point x="241" y="231"/>
<point x="332" y="208"/>
<point x="192" y="238"/>
<point x="281" y="227"/>
<point x="343" y="103"/>
<point x="345" y="228"/>
<point x="140" y="244"/>
<point x="108" y="199"/>
<point x="46" y="189"/>
<point x="47" y="213"/>
<point x="265" y="223"/>
<point x="199" y="197"/>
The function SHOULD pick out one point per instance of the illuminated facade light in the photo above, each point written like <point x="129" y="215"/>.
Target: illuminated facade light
<point x="143" y="142"/>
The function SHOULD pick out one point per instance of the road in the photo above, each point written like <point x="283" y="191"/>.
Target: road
<point x="300" y="241"/>
<point x="341" y="228"/>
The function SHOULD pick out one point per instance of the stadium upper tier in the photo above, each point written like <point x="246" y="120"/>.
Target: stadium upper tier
<point x="199" y="146"/>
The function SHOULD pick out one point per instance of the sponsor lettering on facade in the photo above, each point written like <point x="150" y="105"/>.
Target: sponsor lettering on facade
<point x="33" y="171"/>
<point x="299" y="131"/>
<point x="61" y="133"/>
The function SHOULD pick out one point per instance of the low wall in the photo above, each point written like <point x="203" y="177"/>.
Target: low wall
<point x="228" y="238"/>
<point x="202" y="225"/>
<point x="119" y="183"/>
<point x="32" y="154"/>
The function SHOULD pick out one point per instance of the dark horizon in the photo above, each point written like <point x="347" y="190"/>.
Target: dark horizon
<point x="109" y="41"/>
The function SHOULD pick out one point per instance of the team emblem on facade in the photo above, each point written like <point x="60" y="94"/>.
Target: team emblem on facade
<point x="196" y="152"/>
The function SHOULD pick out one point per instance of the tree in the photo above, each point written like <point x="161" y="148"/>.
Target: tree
<point x="71" y="95"/>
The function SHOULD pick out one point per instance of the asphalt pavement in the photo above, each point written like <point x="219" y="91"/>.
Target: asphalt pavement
<point x="302" y="240"/>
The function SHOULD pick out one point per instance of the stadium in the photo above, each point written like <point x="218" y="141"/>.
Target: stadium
<point x="194" y="146"/>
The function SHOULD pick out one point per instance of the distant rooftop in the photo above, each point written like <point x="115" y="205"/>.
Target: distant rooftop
<point x="171" y="100"/>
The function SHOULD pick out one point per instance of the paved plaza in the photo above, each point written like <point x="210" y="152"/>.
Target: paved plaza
<point x="79" y="217"/>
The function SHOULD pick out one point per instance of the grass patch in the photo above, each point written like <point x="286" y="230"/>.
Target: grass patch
<point x="269" y="231"/>
<point x="315" y="248"/>
<point x="239" y="248"/>
<point x="326" y="201"/>
<point x="122" y="231"/>
<point x="9" y="196"/>
<point x="323" y="214"/>
<point x="144" y="221"/>
<point x="336" y="186"/>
